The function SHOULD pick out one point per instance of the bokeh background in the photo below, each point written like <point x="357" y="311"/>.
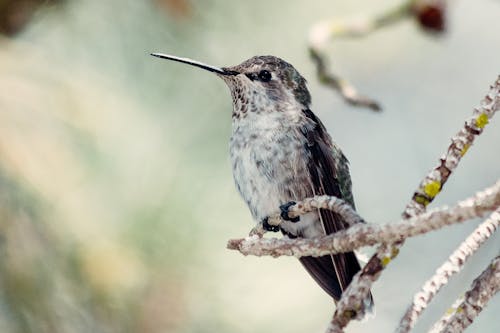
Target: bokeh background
<point x="116" y="194"/>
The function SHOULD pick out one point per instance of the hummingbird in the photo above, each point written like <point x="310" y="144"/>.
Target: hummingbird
<point x="281" y="153"/>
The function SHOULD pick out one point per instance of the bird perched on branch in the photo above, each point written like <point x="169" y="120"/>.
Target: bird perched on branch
<point x="281" y="153"/>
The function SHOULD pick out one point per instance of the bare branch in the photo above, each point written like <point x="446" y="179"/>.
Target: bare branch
<point x="429" y="13"/>
<point x="460" y="143"/>
<point x="344" y="87"/>
<point x="322" y="32"/>
<point x="351" y="302"/>
<point x="452" y="266"/>
<point x="363" y="234"/>
<point x="349" y="215"/>
<point x="466" y="308"/>
<point x="339" y="206"/>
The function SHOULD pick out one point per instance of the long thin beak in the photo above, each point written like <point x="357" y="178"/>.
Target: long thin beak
<point x="191" y="62"/>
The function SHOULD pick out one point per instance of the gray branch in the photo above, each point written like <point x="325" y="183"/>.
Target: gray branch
<point x="452" y="266"/>
<point x="460" y="143"/>
<point x="364" y="234"/>
<point x="465" y="309"/>
<point x="352" y="298"/>
<point x="323" y="32"/>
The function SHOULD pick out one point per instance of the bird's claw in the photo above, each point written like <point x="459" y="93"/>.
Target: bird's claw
<point x="268" y="227"/>
<point x="285" y="210"/>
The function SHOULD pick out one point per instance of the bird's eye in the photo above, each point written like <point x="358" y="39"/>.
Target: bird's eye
<point x="264" y="76"/>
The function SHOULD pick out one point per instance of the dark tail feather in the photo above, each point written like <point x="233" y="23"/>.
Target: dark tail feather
<point x="323" y="272"/>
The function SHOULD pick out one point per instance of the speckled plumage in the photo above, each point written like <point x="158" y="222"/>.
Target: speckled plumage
<point x="281" y="152"/>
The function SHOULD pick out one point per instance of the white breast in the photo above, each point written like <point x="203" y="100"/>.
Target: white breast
<point x="269" y="167"/>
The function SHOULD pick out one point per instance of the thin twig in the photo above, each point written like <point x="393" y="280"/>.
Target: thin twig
<point x="452" y="266"/>
<point x="429" y="13"/>
<point x="339" y="206"/>
<point x="344" y="87"/>
<point x="364" y="234"/>
<point x="466" y="308"/>
<point x="348" y="214"/>
<point x="333" y="29"/>
<point x="351" y="301"/>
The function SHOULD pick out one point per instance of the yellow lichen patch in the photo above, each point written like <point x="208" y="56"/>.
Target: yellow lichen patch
<point x="432" y="188"/>
<point x="421" y="199"/>
<point x="450" y="311"/>
<point x="464" y="149"/>
<point x="385" y="261"/>
<point x="394" y="252"/>
<point x="351" y="314"/>
<point x="481" y="120"/>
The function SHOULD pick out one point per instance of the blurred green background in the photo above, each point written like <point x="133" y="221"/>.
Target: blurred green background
<point x="116" y="195"/>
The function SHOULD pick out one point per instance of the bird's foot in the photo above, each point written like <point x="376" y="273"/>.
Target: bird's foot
<point x="285" y="210"/>
<point x="269" y="227"/>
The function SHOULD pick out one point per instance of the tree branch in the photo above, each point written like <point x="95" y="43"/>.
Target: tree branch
<point x="466" y="308"/>
<point x="452" y="266"/>
<point x="429" y="13"/>
<point x="460" y="143"/>
<point x="344" y="87"/>
<point x="351" y="301"/>
<point x="363" y="234"/>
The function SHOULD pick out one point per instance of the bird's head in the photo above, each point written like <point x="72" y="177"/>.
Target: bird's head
<point x="259" y="84"/>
